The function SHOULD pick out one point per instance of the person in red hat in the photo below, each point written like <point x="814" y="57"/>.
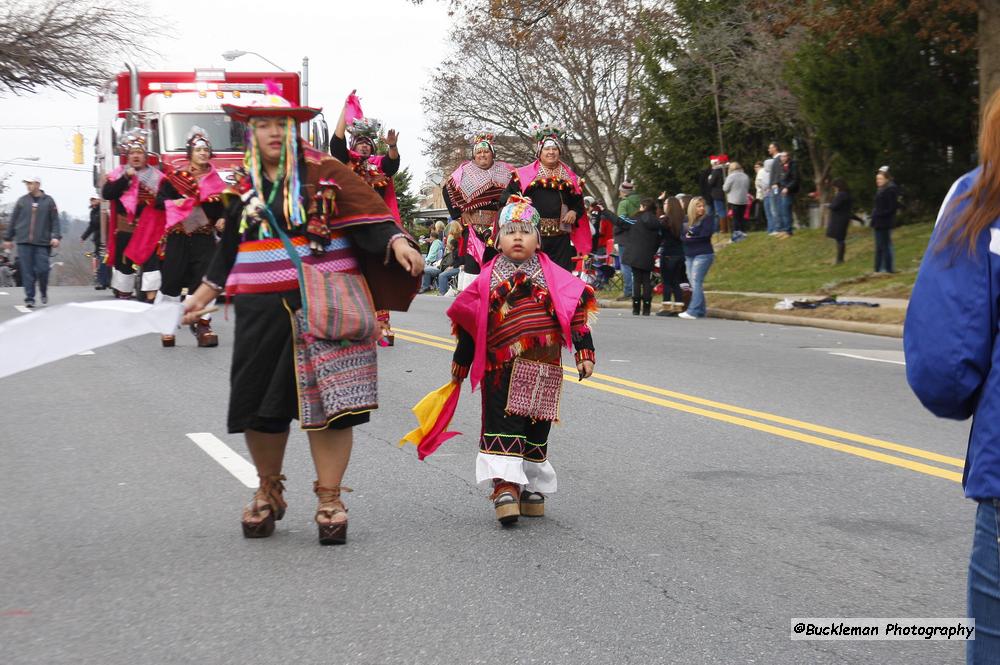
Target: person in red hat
<point x="293" y="201"/>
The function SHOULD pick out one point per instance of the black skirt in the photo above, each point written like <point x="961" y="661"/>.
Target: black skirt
<point x="263" y="391"/>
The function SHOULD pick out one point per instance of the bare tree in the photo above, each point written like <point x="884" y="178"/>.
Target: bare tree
<point x="562" y="64"/>
<point x="66" y="44"/>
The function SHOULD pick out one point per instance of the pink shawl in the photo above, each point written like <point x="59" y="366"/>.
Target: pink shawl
<point x="148" y="228"/>
<point x="580" y="236"/>
<point x="209" y="185"/>
<point x="471" y="308"/>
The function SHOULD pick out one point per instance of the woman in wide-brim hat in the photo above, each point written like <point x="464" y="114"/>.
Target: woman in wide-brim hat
<point x="336" y="223"/>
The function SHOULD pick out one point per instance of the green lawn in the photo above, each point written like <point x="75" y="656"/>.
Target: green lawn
<point x="804" y="264"/>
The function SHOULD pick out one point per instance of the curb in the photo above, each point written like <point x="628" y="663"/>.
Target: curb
<point x="883" y="329"/>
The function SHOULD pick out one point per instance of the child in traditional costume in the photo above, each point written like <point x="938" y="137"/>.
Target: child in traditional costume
<point x="512" y="323"/>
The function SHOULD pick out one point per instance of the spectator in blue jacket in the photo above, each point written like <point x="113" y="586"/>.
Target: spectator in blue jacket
<point x="698" y="254"/>
<point x="432" y="262"/>
<point x="953" y="358"/>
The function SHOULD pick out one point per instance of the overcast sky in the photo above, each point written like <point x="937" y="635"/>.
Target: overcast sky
<point x="384" y="48"/>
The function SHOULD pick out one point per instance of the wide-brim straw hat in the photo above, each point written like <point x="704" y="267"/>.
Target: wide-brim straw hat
<point x="270" y="106"/>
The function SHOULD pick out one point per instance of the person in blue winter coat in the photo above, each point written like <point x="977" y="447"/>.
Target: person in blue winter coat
<point x="953" y="359"/>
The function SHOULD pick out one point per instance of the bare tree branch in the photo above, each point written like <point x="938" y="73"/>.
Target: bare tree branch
<point x="516" y="63"/>
<point x="67" y="44"/>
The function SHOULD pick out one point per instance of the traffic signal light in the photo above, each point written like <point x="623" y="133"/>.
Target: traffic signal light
<point x="78" y="148"/>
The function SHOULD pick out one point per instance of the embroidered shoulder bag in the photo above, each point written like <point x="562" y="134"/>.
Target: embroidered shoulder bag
<point x="335" y="305"/>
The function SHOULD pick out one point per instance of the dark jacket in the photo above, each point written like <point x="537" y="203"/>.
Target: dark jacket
<point x="672" y="228"/>
<point x="840" y="216"/>
<point x="643" y="241"/>
<point x="716" y="180"/>
<point x="34" y="220"/>
<point x="698" y="239"/>
<point x="790" y="177"/>
<point x="886" y="205"/>
<point x="94" y="228"/>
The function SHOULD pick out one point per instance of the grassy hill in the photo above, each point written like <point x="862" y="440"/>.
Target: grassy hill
<point x="804" y="264"/>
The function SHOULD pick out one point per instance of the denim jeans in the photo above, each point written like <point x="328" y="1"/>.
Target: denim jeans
<point x="697" y="268"/>
<point x="430" y="273"/>
<point x="34" y="268"/>
<point x="771" y="211"/>
<point x="883" y="250"/>
<point x="984" y="587"/>
<point x="785" y="202"/>
<point x="719" y="211"/>
<point x="627" y="280"/>
<point x="444" y="278"/>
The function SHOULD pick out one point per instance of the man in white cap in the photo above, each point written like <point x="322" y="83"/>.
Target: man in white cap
<point x="34" y="226"/>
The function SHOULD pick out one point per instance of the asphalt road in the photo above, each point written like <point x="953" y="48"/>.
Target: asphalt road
<point x="717" y="479"/>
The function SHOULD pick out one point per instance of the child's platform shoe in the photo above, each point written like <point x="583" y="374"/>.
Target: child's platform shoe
<point x="532" y="504"/>
<point x="505" y="502"/>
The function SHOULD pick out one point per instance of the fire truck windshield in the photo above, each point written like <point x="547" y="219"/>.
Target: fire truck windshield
<point x="225" y="134"/>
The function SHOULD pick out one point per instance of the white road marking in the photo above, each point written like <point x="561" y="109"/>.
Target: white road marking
<point x="877" y="360"/>
<point x="4" y="293"/>
<point x="85" y="353"/>
<point x="243" y="470"/>
<point x="23" y="309"/>
<point x="616" y="360"/>
<point x="890" y="356"/>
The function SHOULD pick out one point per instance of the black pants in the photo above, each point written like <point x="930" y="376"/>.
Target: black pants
<point x="560" y="250"/>
<point x="185" y="261"/>
<point x="883" y="250"/>
<point x="739" y="211"/>
<point x="124" y="264"/>
<point x="673" y="274"/>
<point x="505" y="434"/>
<point x="642" y="285"/>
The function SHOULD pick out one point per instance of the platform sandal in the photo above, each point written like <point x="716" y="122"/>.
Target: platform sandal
<point x="168" y="341"/>
<point x="203" y="332"/>
<point x="333" y="528"/>
<point x="267" y="506"/>
<point x="532" y="504"/>
<point x="505" y="502"/>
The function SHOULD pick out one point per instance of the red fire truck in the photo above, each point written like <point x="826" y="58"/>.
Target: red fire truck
<point x="168" y="104"/>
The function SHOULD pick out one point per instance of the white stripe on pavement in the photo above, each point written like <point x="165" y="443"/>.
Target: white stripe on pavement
<point x="85" y="353"/>
<point x="243" y="470"/>
<point x="4" y="293"/>
<point x="23" y="309"/>
<point x="877" y="360"/>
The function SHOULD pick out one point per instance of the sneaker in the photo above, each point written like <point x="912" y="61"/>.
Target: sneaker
<point x="45" y="300"/>
<point x="685" y="315"/>
<point x="623" y="298"/>
<point x="30" y="304"/>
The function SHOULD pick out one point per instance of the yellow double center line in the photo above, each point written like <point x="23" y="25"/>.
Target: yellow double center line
<point x="764" y="422"/>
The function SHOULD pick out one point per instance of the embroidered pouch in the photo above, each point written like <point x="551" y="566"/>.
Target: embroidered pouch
<point x="535" y="389"/>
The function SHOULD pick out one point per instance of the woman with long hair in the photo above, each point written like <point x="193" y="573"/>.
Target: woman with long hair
<point x="953" y="358"/>
<point x="640" y="253"/>
<point x="672" y="272"/>
<point x="840" y="216"/>
<point x="292" y="201"/>
<point x="698" y="255"/>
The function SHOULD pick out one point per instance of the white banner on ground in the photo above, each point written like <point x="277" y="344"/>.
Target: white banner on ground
<point x="61" y="331"/>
